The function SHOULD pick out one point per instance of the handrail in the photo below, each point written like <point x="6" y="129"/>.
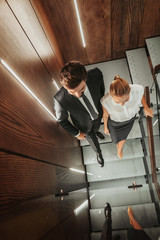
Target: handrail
<point x="156" y="71"/>
<point x="151" y="144"/>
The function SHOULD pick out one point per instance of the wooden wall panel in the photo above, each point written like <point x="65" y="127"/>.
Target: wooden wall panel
<point x="27" y="129"/>
<point x="149" y="26"/>
<point x="110" y="27"/>
<point x="20" y="55"/>
<point x="37" y="218"/>
<point x="80" y="231"/>
<point x="64" y="24"/>
<point x="96" y="19"/>
<point x="23" y="178"/>
<point x="120" y="28"/>
<point x="27" y="18"/>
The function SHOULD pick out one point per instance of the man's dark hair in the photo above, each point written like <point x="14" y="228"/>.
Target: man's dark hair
<point x="72" y="74"/>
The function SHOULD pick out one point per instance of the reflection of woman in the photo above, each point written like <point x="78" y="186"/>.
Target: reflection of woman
<point x="120" y="107"/>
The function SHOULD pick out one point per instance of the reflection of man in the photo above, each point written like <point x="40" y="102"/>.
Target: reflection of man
<point x="80" y="96"/>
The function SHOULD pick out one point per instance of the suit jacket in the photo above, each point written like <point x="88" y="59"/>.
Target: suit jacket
<point x="66" y="103"/>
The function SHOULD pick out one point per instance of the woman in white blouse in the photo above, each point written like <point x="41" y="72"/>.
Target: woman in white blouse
<point x="120" y="107"/>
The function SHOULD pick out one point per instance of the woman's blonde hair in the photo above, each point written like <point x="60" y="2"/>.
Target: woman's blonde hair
<point x="119" y="87"/>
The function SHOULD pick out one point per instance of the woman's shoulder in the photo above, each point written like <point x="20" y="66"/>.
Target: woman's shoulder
<point x="106" y="97"/>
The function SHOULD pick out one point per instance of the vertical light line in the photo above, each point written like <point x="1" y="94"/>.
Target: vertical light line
<point x="25" y="86"/>
<point x="56" y="84"/>
<point x="79" y="21"/>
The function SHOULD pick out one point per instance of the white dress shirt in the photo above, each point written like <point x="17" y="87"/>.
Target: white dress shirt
<point x="88" y="95"/>
<point x="119" y="113"/>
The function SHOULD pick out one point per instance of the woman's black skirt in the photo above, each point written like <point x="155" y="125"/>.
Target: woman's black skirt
<point x="119" y="130"/>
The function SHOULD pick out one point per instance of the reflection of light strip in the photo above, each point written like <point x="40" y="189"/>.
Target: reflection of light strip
<point x="92" y="196"/>
<point x="25" y="86"/>
<point x="82" y="205"/>
<point x="80" y="171"/>
<point x="79" y="21"/>
<point x="155" y="122"/>
<point x="56" y="84"/>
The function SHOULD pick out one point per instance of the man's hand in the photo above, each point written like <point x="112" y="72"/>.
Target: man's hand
<point x="148" y="112"/>
<point x="106" y="131"/>
<point x="81" y="136"/>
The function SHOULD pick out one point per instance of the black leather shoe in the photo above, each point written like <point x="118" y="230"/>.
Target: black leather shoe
<point x="100" y="135"/>
<point x="107" y="211"/>
<point x="100" y="159"/>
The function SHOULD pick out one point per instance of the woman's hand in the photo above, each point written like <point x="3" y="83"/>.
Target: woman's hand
<point x="106" y="131"/>
<point x="148" y="112"/>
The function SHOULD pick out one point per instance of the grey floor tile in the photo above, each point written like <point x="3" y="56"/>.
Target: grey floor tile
<point x="116" y="170"/>
<point x="132" y="149"/>
<point x="125" y="196"/>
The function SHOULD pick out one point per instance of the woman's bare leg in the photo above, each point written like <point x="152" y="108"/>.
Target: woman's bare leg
<point x="120" y="148"/>
<point x="132" y="220"/>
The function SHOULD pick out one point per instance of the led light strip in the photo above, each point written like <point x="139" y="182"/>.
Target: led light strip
<point x="79" y="21"/>
<point x="79" y="171"/>
<point x="82" y="205"/>
<point x="25" y="86"/>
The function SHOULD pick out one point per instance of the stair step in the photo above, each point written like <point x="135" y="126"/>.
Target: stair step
<point x="153" y="232"/>
<point x="116" y="169"/>
<point x="134" y="133"/>
<point x="132" y="149"/>
<point x="125" y="196"/>
<point x="145" y="214"/>
<point x="140" y="69"/>
<point x="108" y="70"/>
<point x="156" y="145"/>
<point x="153" y="45"/>
<point x="116" y="182"/>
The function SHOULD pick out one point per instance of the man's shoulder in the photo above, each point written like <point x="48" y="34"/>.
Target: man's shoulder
<point x="61" y="94"/>
<point x="94" y="71"/>
<point x="94" y="75"/>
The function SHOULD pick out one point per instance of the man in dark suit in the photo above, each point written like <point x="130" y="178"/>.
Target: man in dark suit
<point x="80" y="96"/>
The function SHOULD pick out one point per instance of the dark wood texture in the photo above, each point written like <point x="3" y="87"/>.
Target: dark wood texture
<point x="27" y="129"/>
<point x="40" y="218"/>
<point x="35" y="151"/>
<point x="110" y="26"/>
<point x="23" y="178"/>
<point x="31" y="26"/>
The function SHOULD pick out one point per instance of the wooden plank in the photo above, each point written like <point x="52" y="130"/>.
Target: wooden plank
<point x="150" y="22"/>
<point x="120" y="28"/>
<point x="96" y="19"/>
<point x="31" y="26"/>
<point x="24" y="178"/>
<point x="64" y="24"/>
<point x="27" y="129"/>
